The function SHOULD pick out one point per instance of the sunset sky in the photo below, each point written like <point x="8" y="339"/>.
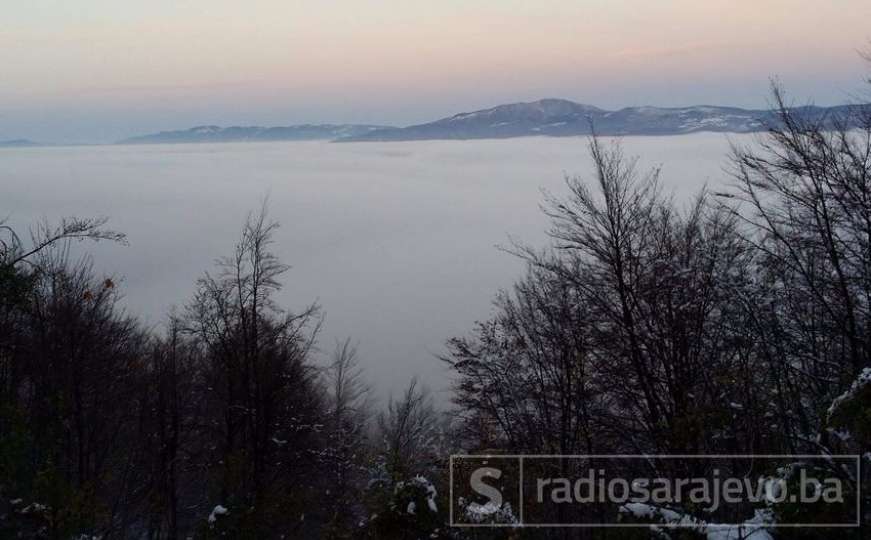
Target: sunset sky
<point x="100" y="70"/>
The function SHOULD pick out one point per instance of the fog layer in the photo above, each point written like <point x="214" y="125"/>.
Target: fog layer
<point x="396" y="241"/>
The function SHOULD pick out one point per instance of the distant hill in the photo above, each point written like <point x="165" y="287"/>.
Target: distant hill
<point x="203" y="134"/>
<point x="17" y="143"/>
<point x="560" y="117"/>
<point x="548" y="117"/>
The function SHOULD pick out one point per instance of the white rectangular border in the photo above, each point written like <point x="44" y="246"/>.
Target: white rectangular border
<point x="522" y="457"/>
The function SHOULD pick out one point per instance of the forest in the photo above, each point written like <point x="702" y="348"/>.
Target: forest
<point x="737" y="324"/>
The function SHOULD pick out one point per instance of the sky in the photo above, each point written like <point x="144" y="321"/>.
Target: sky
<point x="101" y="70"/>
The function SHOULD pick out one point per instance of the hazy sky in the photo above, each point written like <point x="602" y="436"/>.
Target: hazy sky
<point x="99" y="70"/>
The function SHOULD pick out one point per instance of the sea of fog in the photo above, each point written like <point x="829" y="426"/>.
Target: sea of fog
<point x="396" y="241"/>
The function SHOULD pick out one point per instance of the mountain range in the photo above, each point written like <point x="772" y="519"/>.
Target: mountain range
<point x="304" y="132"/>
<point x="561" y="118"/>
<point x="546" y="117"/>
<point x="17" y="143"/>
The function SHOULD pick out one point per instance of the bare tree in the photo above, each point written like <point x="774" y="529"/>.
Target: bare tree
<point x="525" y="380"/>
<point x="408" y="432"/>
<point x="13" y="251"/>
<point x="348" y="409"/>
<point x="805" y="194"/>
<point x="77" y="360"/>
<point x="262" y="401"/>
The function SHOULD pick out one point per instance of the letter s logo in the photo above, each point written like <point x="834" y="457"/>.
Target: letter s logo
<point x="477" y="484"/>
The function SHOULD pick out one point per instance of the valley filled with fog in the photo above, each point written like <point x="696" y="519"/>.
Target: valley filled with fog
<point x="396" y="241"/>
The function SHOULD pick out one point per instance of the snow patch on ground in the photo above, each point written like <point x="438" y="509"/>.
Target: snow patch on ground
<point x="755" y="528"/>
<point x="217" y="511"/>
<point x="487" y="513"/>
<point x="33" y="508"/>
<point x="863" y="380"/>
